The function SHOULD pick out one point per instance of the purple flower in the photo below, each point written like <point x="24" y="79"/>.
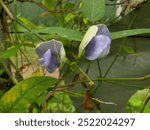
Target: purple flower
<point x="96" y="42"/>
<point x="98" y="47"/>
<point x="51" y="54"/>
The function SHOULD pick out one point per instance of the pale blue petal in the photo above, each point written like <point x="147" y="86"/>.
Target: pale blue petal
<point x="98" y="47"/>
<point x="50" y="61"/>
<point x="53" y="45"/>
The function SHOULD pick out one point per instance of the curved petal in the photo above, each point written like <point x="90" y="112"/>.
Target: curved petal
<point x="103" y="30"/>
<point x="91" y="32"/>
<point x="50" y="61"/>
<point x="53" y="45"/>
<point x="98" y="47"/>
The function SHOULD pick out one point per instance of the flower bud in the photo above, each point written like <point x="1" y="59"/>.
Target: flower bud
<point x="51" y="54"/>
<point x="96" y="42"/>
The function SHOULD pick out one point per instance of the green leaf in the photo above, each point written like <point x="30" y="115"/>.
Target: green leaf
<point x="93" y="9"/>
<point x="137" y="101"/>
<point x="10" y="52"/>
<point x="69" y="17"/>
<point x="1" y="93"/>
<point x="1" y="71"/>
<point x="126" y="33"/>
<point x="62" y="32"/>
<point x="60" y="102"/>
<point x="19" y="97"/>
<point x="28" y="22"/>
<point x="50" y="4"/>
<point x="69" y="5"/>
<point x="128" y="49"/>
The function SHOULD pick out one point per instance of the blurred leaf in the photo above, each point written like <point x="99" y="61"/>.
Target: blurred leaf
<point x="50" y="4"/>
<point x="133" y="19"/>
<point x="69" y="17"/>
<point x="1" y="71"/>
<point x="19" y="97"/>
<point x="27" y="22"/>
<point x="126" y="33"/>
<point x="93" y="9"/>
<point x="9" y="52"/>
<point x="37" y="72"/>
<point x="137" y="101"/>
<point x="69" y="5"/>
<point x="62" y="32"/>
<point x="29" y="45"/>
<point x="60" y="102"/>
<point x="1" y="93"/>
<point x="128" y="49"/>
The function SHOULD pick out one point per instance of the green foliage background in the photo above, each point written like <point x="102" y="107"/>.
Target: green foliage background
<point x="124" y="75"/>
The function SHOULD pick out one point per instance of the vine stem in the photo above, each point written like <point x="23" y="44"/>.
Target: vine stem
<point x="94" y="99"/>
<point x="99" y="68"/>
<point x="36" y="34"/>
<point x="124" y="79"/>
<point x="91" y="83"/>
<point x="6" y="10"/>
<point x="69" y="85"/>
<point x="8" y="72"/>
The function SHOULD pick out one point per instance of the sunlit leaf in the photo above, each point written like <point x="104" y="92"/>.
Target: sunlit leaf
<point x="19" y="97"/>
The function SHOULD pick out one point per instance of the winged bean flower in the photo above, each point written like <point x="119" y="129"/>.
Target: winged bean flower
<point x="96" y="42"/>
<point x="51" y="54"/>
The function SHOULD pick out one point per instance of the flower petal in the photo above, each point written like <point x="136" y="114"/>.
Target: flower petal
<point x="53" y="45"/>
<point x="98" y="47"/>
<point x="50" y="61"/>
<point x="103" y="30"/>
<point x="91" y="32"/>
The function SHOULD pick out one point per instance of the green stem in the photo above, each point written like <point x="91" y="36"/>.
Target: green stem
<point x="88" y="67"/>
<point x="110" y="81"/>
<point x="99" y="68"/>
<point x="36" y="34"/>
<point x="106" y="72"/>
<point x="8" y="72"/>
<point x="111" y="66"/>
<point x="125" y="79"/>
<point x="91" y="83"/>
<point x="126" y="85"/>
<point x="16" y="37"/>
<point x="6" y="9"/>
<point x="94" y="99"/>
